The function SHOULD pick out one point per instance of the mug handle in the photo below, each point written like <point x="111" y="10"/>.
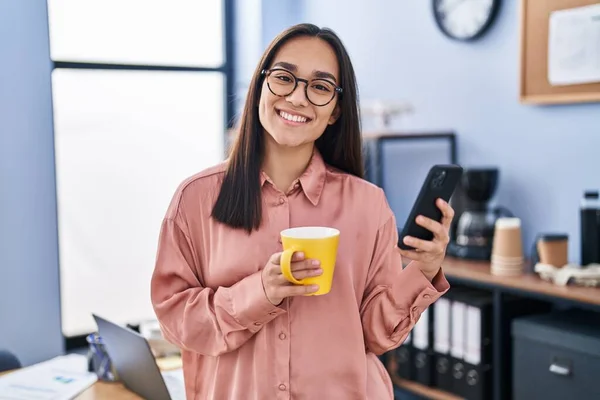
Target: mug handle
<point x="286" y="265"/>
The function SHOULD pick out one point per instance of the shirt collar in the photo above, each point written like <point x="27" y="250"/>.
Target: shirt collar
<point x="312" y="180"/>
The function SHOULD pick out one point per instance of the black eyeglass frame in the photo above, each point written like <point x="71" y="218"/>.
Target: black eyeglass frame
<point x="266" y="72"/>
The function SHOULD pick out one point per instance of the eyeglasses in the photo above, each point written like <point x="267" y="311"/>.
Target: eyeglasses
<point x="282" y="83"/>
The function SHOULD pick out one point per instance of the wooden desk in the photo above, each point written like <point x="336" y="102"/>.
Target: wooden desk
<point x="116" y="391"/>
<point x="107" y="391"/>
<point x="103" y="391"/>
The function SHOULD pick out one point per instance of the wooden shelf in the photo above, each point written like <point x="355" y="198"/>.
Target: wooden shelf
<point x="479" y="271"/>
<point x="422" y="390"/>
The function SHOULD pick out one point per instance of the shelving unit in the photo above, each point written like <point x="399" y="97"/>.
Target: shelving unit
<point x="476" y="274"/>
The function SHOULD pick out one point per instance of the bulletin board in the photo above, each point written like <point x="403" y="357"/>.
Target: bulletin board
<point x="539" y="83"/>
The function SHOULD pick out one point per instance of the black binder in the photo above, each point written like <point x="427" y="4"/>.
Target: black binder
<point x="457" y="328"/>
<point x="442" y="376"/>
<point x="422" y="339"/>
<point x="478" y="353"/>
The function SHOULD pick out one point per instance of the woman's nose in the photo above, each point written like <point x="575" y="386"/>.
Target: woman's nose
<point x="298" y="96"/>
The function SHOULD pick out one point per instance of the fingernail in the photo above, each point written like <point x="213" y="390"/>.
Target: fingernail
<point x="407" y="239"/>
<point x="316" y="262"/>
<point x="314" y="288"/>
<point x="300" y="254"/>
<point x="318" y="271"/>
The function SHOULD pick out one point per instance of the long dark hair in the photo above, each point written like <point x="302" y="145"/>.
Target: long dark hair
<point x="239" y="203"/>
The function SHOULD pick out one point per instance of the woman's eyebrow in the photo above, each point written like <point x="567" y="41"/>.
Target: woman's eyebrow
<point x="324" y="75"/>
<point x="286" y="65"/>
<point x="294" y="68"/>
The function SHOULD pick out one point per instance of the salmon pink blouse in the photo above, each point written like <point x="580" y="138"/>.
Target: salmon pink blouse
<point x="208" y="295"/>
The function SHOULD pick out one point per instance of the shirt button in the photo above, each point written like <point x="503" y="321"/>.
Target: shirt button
<point x="281" y="200"/>
<point x="282" y="336"/>
<point x="415" y="309"/>
<point x="282" y="387"/>
<point x="426" y="296"/>
<point x="257" y="323"/>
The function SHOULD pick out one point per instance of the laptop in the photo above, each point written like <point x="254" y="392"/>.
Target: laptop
<point x="136" y="366"/>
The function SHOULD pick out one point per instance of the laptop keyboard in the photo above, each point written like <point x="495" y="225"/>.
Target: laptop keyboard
<point x="174" y="382"/>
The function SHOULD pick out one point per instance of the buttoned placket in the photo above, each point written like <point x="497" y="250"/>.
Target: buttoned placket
<point x="279" y="219"/>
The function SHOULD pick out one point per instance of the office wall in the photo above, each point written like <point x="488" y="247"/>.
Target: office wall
<point x="247" y="46"/>
<point x="29" y="281"/>
<point x="547" y="155"/>
<point x="257" y="22"/>
<point x="277" y="15"/>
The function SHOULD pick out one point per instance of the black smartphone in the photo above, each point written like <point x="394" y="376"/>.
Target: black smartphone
<point x="441" y="181"/>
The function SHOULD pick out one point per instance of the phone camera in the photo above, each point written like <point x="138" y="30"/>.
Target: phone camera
<point x="438" y="180"/>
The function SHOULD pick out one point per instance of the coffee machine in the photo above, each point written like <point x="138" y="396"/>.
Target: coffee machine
<point x="472" y="230"/>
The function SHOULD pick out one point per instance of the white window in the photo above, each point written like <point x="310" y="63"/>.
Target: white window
<point x="125" y="137"/>
<point x="147" y="32"/>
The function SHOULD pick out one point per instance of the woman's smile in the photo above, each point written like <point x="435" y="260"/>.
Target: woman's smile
<point x="291" y="118"/>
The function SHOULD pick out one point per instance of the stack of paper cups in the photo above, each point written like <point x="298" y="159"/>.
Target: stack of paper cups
<point x="507" y="248"/>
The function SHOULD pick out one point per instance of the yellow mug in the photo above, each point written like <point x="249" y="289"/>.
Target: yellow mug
<point x="316" y="242"/>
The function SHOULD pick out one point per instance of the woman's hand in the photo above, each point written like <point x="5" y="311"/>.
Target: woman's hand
<point x="278" y="288"/>
<point x="430" y="254"/>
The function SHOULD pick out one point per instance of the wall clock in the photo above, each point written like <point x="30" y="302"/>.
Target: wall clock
<point x="465" y="19"/>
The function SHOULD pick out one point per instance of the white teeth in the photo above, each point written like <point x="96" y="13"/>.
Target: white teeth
<point x="290" y="117"/>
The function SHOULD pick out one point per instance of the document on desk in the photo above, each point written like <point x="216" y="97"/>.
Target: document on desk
<point x="574" y="46"/>
<point x="61" y="378"/>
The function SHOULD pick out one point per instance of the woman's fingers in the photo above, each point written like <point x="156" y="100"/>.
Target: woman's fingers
<point x="302" y="274"/>
<point x="295" y="290"/>
<point x="276" y="258"/>
<point x="420" y="244"/>
<point x="278" y="288"/>
<point x="438" y="230"/>
<point x="447" y="212"/>
<point x="305" y="265"/>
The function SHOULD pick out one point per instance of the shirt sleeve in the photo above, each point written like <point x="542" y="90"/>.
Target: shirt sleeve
<point x="201" y="319"/>
<point x="394" y="297"/>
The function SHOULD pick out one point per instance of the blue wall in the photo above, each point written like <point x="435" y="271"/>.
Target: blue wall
<point x="547" y="155"/>
<point x="29" y="280"/>
<point x="257" y="22"/>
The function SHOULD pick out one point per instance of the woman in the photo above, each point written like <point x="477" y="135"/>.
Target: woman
<point x="245" y="332"/>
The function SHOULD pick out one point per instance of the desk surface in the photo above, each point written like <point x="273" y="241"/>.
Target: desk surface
<point x="104" y="391"/>
<point x="107" y="391"/>
<point x="116" y="391"/>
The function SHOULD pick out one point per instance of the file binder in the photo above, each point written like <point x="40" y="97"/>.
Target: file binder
<point x="478" y="353"/>
<point x="423" y="354"/>
<point x="441" y="342"/>
<point x="457" y="340"/>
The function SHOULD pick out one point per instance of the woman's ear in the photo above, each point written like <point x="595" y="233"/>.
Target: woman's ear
<point x="335" y="114"/>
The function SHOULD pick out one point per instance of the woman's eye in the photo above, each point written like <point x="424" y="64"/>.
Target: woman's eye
<point x="321" y="87"/>
<point x="284" y="78"/>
